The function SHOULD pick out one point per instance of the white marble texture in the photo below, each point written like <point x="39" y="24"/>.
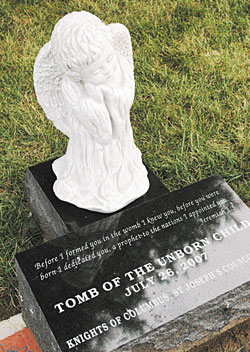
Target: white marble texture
<point x="84" y="82"/>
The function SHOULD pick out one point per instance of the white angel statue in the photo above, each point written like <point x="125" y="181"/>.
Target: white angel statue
<point x="84" y="82"/>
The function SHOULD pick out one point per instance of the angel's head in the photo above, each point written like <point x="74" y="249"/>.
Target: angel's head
<point x="82" y="47"/>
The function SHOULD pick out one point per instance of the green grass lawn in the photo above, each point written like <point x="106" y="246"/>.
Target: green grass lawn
<point x="191" y="114"/>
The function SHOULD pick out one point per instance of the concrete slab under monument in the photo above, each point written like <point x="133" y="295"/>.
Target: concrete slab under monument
<point x="57" y="218"/>
<point x="174" y="269"/>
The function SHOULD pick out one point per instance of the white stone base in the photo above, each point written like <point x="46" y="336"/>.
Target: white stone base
<point x="11" y="326"/>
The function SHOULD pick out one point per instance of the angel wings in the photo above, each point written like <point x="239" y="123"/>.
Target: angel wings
<point x="63" y="98"/>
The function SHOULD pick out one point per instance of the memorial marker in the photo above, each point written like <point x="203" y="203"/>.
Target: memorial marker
<point x="171" y="262"/>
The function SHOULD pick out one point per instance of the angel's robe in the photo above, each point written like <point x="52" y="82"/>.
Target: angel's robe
<point x="98" y="173"/>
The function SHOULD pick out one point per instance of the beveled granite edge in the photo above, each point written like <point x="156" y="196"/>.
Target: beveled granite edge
<point x="33" y="316"/>
<point x="197" y="324"/>
<point x="43" y="211"/>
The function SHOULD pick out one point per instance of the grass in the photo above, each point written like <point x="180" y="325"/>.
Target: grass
<point x="190" y="115"/>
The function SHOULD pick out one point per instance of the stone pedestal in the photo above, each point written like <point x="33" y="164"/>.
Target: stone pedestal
<point x="57" y="218"/>
<point x="174" y="270"/>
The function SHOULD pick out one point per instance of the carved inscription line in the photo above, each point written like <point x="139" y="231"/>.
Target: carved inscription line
<point x="96" y="249"/>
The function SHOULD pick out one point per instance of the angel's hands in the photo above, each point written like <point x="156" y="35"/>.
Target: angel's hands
<point x="118" y="109"/>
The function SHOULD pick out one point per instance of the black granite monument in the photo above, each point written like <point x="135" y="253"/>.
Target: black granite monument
<point x="172" y="269"/>
<point x="57" y="218"/>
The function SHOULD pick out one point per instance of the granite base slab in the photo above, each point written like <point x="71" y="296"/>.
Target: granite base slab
<point x="57" y="218"/>
<point x="174" y="271"/>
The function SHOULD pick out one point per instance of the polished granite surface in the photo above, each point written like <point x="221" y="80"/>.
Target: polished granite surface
<point x="160" y="260"/>
<point x="75" y="218"/>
